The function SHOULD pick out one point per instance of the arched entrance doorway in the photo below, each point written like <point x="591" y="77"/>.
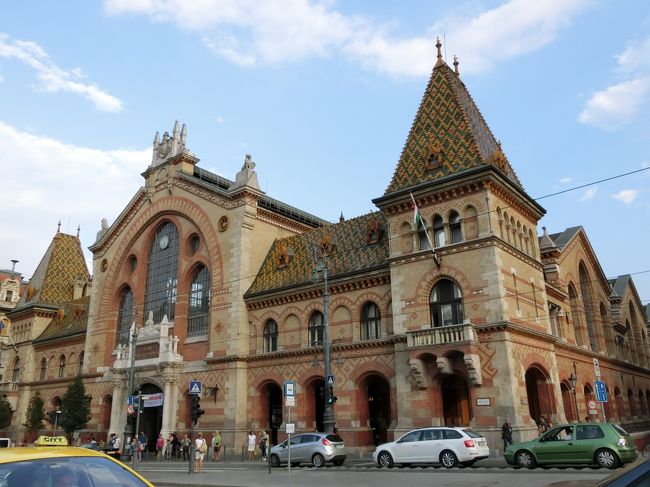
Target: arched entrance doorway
<point x="567" y="403"/>
<point x="540" y="402"/>
<point x="273" y="414"/>
<point x="150" y="418"/>
<point x="455" y="400"/>
<point x="379" y="417"/>
<point x="319" y="403"/>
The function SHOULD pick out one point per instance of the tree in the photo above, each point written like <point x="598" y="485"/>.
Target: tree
<point x="35" y="414"/>
<point x="5" y="413"/>
<point x="75" y="407"/>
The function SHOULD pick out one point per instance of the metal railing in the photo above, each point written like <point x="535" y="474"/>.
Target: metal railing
<point x="441" y="335"/>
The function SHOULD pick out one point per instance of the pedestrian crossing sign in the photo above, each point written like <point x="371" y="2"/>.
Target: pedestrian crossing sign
<point x="195" y="387"/>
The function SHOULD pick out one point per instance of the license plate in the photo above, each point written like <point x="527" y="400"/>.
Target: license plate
<point x="340" y="446"/>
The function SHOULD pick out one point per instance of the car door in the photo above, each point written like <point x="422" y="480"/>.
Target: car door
<point x="292" y="451"/>
<point x="451" y="440"/>
<point x="425" y="450"/>
<point x="556" y="446"/>
<point x="406" y="447"/>
<point x="588" y="438"/>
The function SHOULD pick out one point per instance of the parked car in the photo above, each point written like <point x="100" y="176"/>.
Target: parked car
<point x="314" y="448"/>
<point x="605" y="444"/>
<point x="111" y="452"/>
<point x="449" y="446"/>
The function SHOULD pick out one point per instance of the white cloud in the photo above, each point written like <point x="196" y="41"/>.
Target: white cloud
<point x="249" y="32"/>
<point x="54" y="79"/>
<point x="636" y="57"/>
<point x="566" y="180"/>
<point x="219" y="119"/>
<point x="617" y="105"/>
<point x="79" y="184"/>
<point x="626" y="196"/>
<point x="589" y="193"/>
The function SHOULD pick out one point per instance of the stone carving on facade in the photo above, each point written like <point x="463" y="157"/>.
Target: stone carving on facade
<point x="473" y="365"/>
<point x="247" y="175"/>
<point x="168" y="147"/>
<point x="417" y="376"/>
<point x="151" y="330"/>
<point x="444" y="365"/>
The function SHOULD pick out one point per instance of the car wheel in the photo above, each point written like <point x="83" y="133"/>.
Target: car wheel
<point x="606" y="458"/>
<point x="338" y="463"/>
<point x="385" y="459"/>
<point x="275" y="460"/>
<point x="317" y="460"/>
<point x="525" y="459"/>
<point x="448" y="459"/>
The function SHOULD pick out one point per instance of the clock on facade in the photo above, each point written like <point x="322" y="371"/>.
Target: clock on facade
<point x="164" y="242"/>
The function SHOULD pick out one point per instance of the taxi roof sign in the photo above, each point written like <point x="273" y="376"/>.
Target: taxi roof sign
<point x="51" y="441"/>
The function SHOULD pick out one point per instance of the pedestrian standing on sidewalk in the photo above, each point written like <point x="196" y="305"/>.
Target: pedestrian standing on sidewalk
<point x="264" y="445"/>
<point x="506" y="434"/>
<point x="201" y="447"/>
<point x="160" y="446"/>
<point x="217" y="447"/>
<point x="252" y="443"/>
<point x="143" y="444"/>
<point x="185" y="446"/>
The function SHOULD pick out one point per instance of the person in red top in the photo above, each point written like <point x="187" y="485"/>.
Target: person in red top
<point x="160" y="446"/>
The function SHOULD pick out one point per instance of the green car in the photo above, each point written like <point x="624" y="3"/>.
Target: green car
<point x="604" y="444"/>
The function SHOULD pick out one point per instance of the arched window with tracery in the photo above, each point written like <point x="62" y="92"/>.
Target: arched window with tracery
<point x="316" y="329"/>
<point x="446" y="304"/>
<point x="585" y="291"/>
<point x="43" y="369"/>
<point x="423" y="238"/>
<point x="61" y="366"/>
<point x="15" y="376"/>
<point x="607" y="328"/>
<point x="455" y="229"/>
<point x="162" y="274"/>
<point x="270" y="336"/>
<point x="124" y="316"/>
<point x="370" y="322"/>
<point x="575" y="314"/>
<point x="198" y="316"/>
<point x="438" y="232"/>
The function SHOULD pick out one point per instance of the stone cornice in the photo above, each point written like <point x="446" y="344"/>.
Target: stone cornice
<point x="77" y="338"/>
<point x="63" y="380"/>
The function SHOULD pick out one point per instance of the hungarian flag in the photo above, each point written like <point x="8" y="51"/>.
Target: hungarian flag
<point x="417" y="218"/>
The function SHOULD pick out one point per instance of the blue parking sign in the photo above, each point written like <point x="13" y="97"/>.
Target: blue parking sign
<point x="601" y="391"/>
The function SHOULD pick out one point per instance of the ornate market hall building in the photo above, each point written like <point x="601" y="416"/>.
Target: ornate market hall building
<point x="218" y="277"/>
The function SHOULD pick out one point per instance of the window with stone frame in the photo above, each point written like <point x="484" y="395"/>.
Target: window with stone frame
<point x="370" y="322"/>
<point x="124" y="316"/>
<point x="455" y="229"/>
<point x="15" y="376"/>
<point x="316" y="329"/>
<point x="162" y="274"/>
<point x="43" y="369"/>
<point x="81" y="362"/>
<point x="62" y="367"/>
<point x="271" y="336"/>
<point x="446" y="304"/>
<point x="199" y="303"/>
<point x="438" y="232"/>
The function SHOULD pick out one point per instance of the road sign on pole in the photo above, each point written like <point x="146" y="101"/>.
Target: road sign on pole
<point x="195" y="387"/>
<point x="601" y="391"/>
<point x="289" y="388"/>
<point x="330" y="380"/>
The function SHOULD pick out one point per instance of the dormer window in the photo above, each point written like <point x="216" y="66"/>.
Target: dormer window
<point x="434" y="156"/>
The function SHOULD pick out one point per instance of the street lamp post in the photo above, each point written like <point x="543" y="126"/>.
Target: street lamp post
<point x="329" y="420"/>
<point x="573" y="379"/>
<point x="56" y="420"/>
<point x="128" y="429"/>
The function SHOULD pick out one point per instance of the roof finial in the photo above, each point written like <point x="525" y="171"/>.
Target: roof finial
<point x="58" y="228"/>
<point x="456" y="63"/>
<point x="341" y="218"/>
<point x="78" y="230"/>
<point x="439" y="62"/>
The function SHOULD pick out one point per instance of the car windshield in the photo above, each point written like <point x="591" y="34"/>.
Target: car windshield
<point x="471" y="434"/>
<point x="69" y="472"/>
<point x="334" y="438"/>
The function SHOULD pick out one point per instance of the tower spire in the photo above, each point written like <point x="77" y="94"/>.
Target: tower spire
<point x="439" y="61"/>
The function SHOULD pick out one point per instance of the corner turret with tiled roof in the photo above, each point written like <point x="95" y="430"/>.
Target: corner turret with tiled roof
<point x="448" y="135"/>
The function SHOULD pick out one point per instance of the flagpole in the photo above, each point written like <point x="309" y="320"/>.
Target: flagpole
<point x="418" y="221"/>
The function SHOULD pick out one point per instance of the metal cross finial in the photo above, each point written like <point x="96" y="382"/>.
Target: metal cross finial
<point x="456" y="63"/>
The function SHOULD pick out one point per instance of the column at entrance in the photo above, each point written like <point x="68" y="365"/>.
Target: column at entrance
<point x="171" y="374"/>
<point x="118" y="406"/>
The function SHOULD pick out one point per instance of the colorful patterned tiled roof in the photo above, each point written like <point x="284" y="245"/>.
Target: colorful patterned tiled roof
<point x="448" y="136"/>
<point x="352" y="253"/>
<point x="53" y="281"/>
<point x="73" y="320"/>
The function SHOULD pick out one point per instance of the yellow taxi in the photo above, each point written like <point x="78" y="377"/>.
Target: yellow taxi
<point x="51" y="463"/>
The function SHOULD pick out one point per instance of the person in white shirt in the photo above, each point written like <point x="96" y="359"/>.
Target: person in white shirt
<point x="201" y="447"/>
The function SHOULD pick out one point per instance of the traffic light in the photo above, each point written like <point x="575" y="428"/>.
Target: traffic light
<point x="195" y="408"/>
<point x="331" y="399"/>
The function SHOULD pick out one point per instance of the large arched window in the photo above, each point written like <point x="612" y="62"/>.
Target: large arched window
<point x="438" y="232"/>
<point x="199" y="309"/>
<point x="43" y="369"/>
<point x="455" y="228"/>
<point x="370" y="322"/>
<point x="585" y="291"/>
<point x="446" y="304"/>
<point x="124" y="316"/>
<point x="61" y="366"/>
<point x="607" y="328"/>
<point x="316" y="329"/>
<point x="162" y="278"/>
<point x="81" y="362"/>
<point x="271" y="336"/>
<point x="16" y="373"/>
<point x="575" y="315"/>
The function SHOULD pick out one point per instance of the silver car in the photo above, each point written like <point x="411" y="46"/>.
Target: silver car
<point x="314" y="448"/>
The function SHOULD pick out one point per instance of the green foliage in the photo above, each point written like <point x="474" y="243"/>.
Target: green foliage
<point x="5" y="413"/>
<point x="75" y="407"/>
<point x="35" y="414"/>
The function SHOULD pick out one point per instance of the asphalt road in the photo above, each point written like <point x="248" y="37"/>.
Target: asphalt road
<point x="363" y="473"/>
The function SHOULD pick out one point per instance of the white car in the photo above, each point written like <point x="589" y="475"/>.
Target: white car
<point x="449" y="446"/>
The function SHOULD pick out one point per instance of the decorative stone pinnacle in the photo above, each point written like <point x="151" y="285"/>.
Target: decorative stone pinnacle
<point x="439" y="46"/>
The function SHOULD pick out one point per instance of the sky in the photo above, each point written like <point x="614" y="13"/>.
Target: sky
<point x="322" y="94"/>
